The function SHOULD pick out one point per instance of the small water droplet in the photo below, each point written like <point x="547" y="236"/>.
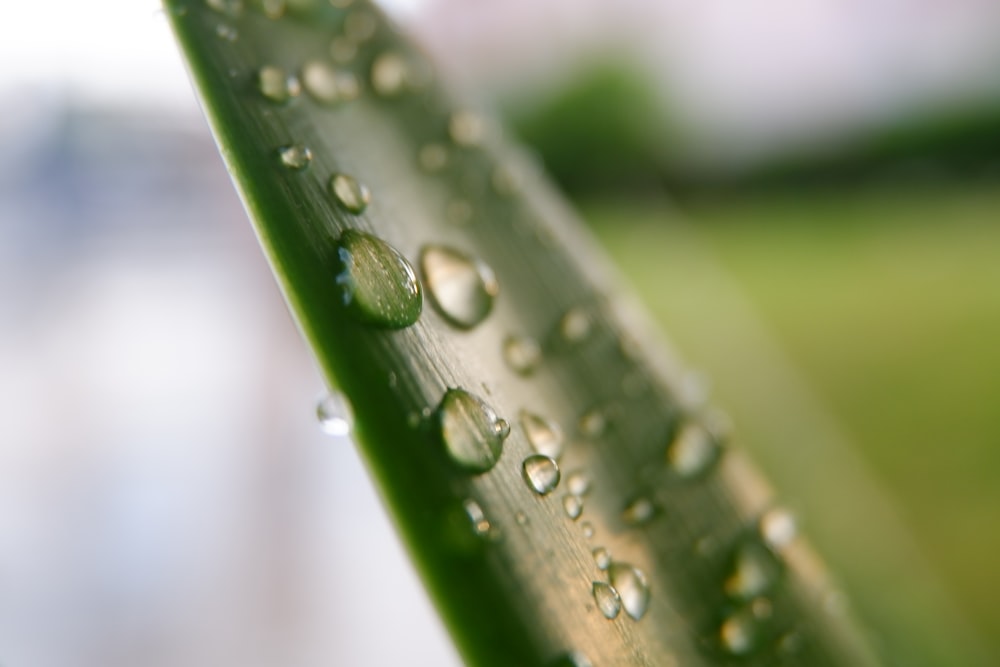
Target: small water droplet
<point x="608" y="601"/>
<point x="461" y="287"/>
<point x="378" y="285"/>
<point x="541" y="473"/>
<point x="226" y="32"/>
<point x="602" y="557"/>
<point x="573" y="506"/>
<point x="630" y="582"/>
<point x="469" y="431"/>
<point x="334" y="415"/>
<point x="575" y="325"/>
<point x="328" y="85"/>
<point x="572" y="659"/>
<point x="343" y="50"/>
<point x="593" y="423"/>
<point x="295" y="156"/>
<point x="578" y="483"/>
<point x="522" y="354"/>
<point x="502" y="427"/>
<point x="466" y="128"/>
<point x="755" y="571"/>
<point x="276" y="85"/>
<point x="228" y="7"/>
<point x="351" y="194"/>
<point x="587" y="529"/>
<point x="739" y="633"/>
<point x="274" y="9"/>
<point x="480" y="524"/>
<point x="543" y="434"/>
<point x="360" y="26"/>
<point x="639" y="511"/>
<point x="778" y="528"/>
<point x="433" y="157"/>
<point x="693" y="450"/>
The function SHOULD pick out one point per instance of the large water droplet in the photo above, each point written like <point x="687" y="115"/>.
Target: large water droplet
<point x="352" y="195"/>
<point x="295" y="156"/>
<point x="608" y="601"/>
<point x="573" y="506"/>
<point x="470" y="430"/>
<point x="379" y="285"/>
<point x="693" y="450"/>
<point x="544" y="435"/>
<point x="602" y="558"/>
<point x="522" y="354"/>
<point x="639" y="511"/>
<point x="755" y="571"/>
<point x="630" y="582"/>
<point x="328" y="85"/>
<point x="334" y="415"/>
<point x="276" y="85"/>
<point x="541" y="473"/>
<point x="461" y="287"/>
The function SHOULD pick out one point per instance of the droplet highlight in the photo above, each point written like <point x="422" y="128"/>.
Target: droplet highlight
<point x="541" y="473"/>
<point x="462" y="288"/>
<point x="470" y="430"/>
<point x="609" y="603"/>
<point x="334" y="415"/>
<point x="378" y="286"/>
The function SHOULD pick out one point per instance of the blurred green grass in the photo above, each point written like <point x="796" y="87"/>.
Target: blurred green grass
<point x="887" y="300"/>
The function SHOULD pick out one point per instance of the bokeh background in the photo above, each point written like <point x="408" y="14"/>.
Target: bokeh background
<point x="806" y="195"/>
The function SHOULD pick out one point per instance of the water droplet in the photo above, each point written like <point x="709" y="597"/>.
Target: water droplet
<point x="602" y="557"/>
<point x="469" y="430"/>
<point x="378" y="284"/>
<point x="588" y="529"/>
<point x="461" y="287"/>
<point x="295" y="156"/>
<point x="543" y="434"/>
<point x="755" y="571"/>
<point x="778" y="528"/>
<point x="360" y="26"/>
<point x="276" y="85"/>
<point x="630" y="582"/>
<point x="390" y="74"/>
<point x="466" y="128"/>
<point x="343" y="50"/>
<point x="334" y="415"/>
<point x="273" y="9"/>
<point x="541" y="473"/>
<point x="639" y="511"/>
<point x="739" y="633"/>
<point x="593" y="423"/>
<point x="433" y="157"/>
<point x="578" y="483"/>
<point x="572" y="659"/>
<point x="573" y="506"/>
<point x="693" y="450"/>
<point x="227" y="7"/>
<point x="502" y="427"/>
<point x="521" y="518"/>
<point x="480" y="524"/>
<point x="608" y="601"/>
<point x="351" y="194"/>
<point x="575" y="325"/>
<point x="226" y="32"/>
<point x="522" y="354"/>
<point x="328" y="85"/>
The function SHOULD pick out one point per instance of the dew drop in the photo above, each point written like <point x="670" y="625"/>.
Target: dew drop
<point x="461" y="287"/>
<point x="390" y="74"/>
<point x="573" y="506"/>
<point x="739" y="634"/>
<point x="378" y="285"/>
<point x="295" y="156"/>
<point x="541" y="473"/>
<point x="578" y="483"/>
<point x="755" y="571"/>
<point x="351" y="194"/>
<point x="630" y="582"/>
<point x="575" y="325"/>
<point x="276" y="85"/>
<point x="639" y="511"/>
<point x="480" y="524"/>
<point x="433" y="157"/>
<point x="522" y="354"/>
<point x="602" y="557"/>
<point x="587" y="529"/>
<point x="470" y="431"/>
<point x="778" y="528"/>
<point x="227" y="7"/>
<point x="334" y="415"/>
<point x="693" y="450"/>
<point x="466" y="128"/>
<point x="226" y="32"/>
<point x="328" y="85"/>
<point x="608" y="601"/>
<point x="543" y="434"/>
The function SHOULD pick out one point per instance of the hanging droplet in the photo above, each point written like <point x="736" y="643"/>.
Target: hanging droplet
<point x="295" y="156"/>
<point x="639" y="511"/>
<point x="328" y="85"/>
<point x="693" y="450"/>
<point x="433" y="157"/>
<point x="544" y="435"/>
<point x="573" y="506"/>
<point x="755" y="571"/>
<point x="541" y="473"/>
<point x="334" y="415"/>
<point x="522" y="354"/>
<point x="480" y="524"/>
<point x="461" y="287"/>
<point x="389" y="74"/>
<point x="276" y="85"/>
<point x="602" y="558"/>
<point x="470" y="431"/>
<point x="630" y="582"/>
<point x="777" y="528"/>
<point x="466" y="128"/>
<point x="575" y="325"/>
<point x="609" y="603"/>
<point x="578" y="483"/>
<point x="351" y="194"/>
<point x="378" y="285"/>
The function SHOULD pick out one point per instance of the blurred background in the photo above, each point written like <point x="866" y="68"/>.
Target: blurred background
<point x="807" y="196"/>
